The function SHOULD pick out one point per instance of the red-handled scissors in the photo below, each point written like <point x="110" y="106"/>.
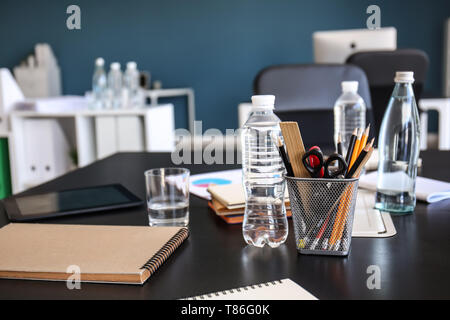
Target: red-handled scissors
<point x="318" y="168"/>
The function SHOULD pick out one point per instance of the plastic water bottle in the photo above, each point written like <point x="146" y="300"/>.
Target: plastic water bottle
<point x="131" y="84"/>
<point x="265" y="219"/>
<point x="115" y="85"/>
<point x="349" y="113"/>
<point x="398" y="146"/>
<point x="99" y="83"/>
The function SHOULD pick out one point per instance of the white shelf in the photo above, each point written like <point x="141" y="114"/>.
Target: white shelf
<point x="84" y="113"/>
<point x="80" y="129"/>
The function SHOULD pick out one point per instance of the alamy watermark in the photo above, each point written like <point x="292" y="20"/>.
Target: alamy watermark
<point x="73" y="21"/>
<point x="73" y="282"/>
<point x="211" y="147"/>
<point x="374" y="280"/>
<point x="374" y="20"/>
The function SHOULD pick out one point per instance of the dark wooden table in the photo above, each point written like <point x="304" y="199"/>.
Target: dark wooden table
<point x="414" y="264"/>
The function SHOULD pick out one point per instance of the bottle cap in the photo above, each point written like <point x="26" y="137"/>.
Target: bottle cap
<point x="264" y="101"/>
<point x="132" y="65"/>
<point x="115" y="66"/>
<point x="100" y="62"/>
<point x="350" y="86"/>
<point x="404" y="76"/>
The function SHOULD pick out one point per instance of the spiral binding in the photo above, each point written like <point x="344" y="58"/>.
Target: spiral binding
<point x="226" y="292"/>
<point x="157" y="260"/>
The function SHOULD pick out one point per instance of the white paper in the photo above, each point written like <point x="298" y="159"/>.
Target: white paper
<point x="278" y="290"/>
<point x="428" y="190"/>
<point x="199" y="183"/>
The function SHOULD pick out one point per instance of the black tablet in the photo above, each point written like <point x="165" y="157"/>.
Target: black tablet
<point x="68" y="202"/>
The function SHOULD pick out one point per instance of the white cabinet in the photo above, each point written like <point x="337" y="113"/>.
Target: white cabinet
<point x="43" y="145"/>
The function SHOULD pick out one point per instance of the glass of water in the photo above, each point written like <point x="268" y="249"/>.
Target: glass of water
<point x="168" y="196"/>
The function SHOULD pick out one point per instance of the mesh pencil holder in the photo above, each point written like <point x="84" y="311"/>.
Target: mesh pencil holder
<point x="323" y="211"/>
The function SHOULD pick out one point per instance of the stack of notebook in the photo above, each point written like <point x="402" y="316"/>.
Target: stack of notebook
<point x="228" y="202"/>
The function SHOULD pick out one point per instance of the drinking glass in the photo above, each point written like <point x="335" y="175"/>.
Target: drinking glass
<point x="168" y="196"/>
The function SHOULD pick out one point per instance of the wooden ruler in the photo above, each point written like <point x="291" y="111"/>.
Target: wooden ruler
<point x="295" y="148"/>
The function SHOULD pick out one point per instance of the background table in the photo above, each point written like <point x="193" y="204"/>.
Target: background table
<point x="414" y="264"/>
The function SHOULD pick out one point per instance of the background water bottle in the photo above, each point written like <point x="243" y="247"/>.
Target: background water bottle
<point x="398" y="146"/>
<point x="265" y="219"/>
<point x="99" y="84"/>
<point x="349" y="113"/>
<point x="115" y="85"/>
<point x="131" y="84"/>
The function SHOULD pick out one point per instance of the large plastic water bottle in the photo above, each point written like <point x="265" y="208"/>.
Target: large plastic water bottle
<point x="99" y="83"/>
<point x="115" y="85"/>
<point x="131" y="85"/>
<point x="349" y="113"/>
<point x="398" y="146"/>
<point x="265" y="219"/>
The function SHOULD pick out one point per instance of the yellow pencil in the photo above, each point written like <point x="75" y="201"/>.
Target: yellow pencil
<point x="347" y="202"/>
<point x="344" y="205"/>
<point x="364" y="139"/>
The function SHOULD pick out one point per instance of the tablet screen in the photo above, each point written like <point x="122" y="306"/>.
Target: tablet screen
<point x="75" y="201"/>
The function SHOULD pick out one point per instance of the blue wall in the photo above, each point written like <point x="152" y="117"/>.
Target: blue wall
<point x="214" y="46"/>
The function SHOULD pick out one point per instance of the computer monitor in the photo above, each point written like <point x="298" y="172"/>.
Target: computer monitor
<point x="336" y="46"/>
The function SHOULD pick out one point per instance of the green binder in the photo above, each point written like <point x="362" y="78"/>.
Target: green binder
<point x="5" y="174"/>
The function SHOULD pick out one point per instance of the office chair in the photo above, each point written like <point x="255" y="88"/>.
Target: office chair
<point x="306" y="93"/>
<point x="380" y="68"/>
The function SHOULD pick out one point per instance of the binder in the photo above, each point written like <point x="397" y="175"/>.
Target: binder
<point x="107" y="254"/>
<point x="46" y="151"/>
<point x="130" y="134"/>
<point x="5" y="173"/>
<point x="106" y="136"/>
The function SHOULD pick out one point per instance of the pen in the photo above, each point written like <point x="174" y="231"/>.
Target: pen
<point x="355" y="149"/>
<point x="339" y="144"/>
<point x="351" y="145"/>
<point x="360" y="159"/>
<point x="320" y="233"/>
<point x="364" y="161"/>
<point x="284" y="157"/>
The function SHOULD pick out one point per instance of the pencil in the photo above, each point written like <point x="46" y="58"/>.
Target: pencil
<point x="329" y="229"/>
<point x="339" y="144"/>
<point x="341" y="225"/>
<point x="284" y="157"/>
<point x="345" y="201"/>
<point x="355" y="152"/>
<point x="339" y="219"/>
<point x="359" y="160"/>
<point x="338" y="228"/>
<point x="351" y="145"/>
<point x="364" y="139"/>
<point x="364" y="161"/>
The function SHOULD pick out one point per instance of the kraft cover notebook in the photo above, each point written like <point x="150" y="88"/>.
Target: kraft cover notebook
<point x="116" y="254"/>
<point x="232" y="196"/>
